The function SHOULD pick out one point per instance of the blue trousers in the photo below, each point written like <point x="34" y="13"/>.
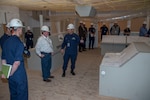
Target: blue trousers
<point x="91" y="41"/>
<point x="46" y="65"/>
<point x="29" y="44"/>
<point x="73" y="58"/>
<point x="18" y="89"/>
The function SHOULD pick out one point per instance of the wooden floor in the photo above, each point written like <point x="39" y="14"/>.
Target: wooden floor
<point x="83" y="86"/>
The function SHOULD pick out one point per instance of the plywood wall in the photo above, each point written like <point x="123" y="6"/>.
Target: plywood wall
<point x="137" y="23"/>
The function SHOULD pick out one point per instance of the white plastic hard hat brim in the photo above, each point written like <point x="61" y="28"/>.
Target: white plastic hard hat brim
<point x="28" y="28"/>
<point x="45" y="28"/>
<point x="145" y="22"/>
<point x="8" y="25"/>
<point x="115" y="22"/>
<point x="70" y="26"/>
<point x="81" y="21"/>
<point x="16" y="23"/>
<point x="92" y="24"/>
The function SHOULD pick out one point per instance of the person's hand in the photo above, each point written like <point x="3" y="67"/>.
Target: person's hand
<point x="62" y="51"/>
<point x="3" y="76"/>
<point x="42" y="55"/>
<point x="52" y="53"/>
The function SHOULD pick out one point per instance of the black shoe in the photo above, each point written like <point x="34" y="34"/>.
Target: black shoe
<point x="64" y="74"/>
<point x="73" y="73"/>
<point x="47" y="80"/>
<point x="51" y="77"/>
<point x="84" y="49"/>
<point x="80" y="51"/>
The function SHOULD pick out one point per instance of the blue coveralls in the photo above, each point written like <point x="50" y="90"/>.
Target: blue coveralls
<point x="18" y="85"/>
<point x="29" y="39"/>
<point x="71" y="42"/>
<point x="91" y="39"/>
<point x="104" y="31"/>
<point x="143" y="31"/>
<point x="3" y="39"/>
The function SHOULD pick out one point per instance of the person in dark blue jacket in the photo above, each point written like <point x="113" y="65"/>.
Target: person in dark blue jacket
<point x="92" y="31"/>
<point x="29" y="38"/>
<point x="143" y="29"/>
<point x="103" y="30"/>
<point x="6" y="35"/>
<point x="148" y="33"/>
<point x="12" y="54"/>
<point x="70" y="44"/>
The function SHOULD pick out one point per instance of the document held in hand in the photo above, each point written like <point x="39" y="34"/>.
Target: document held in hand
<point x="6" y="69"/>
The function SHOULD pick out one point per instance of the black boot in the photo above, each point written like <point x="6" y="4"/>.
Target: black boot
<point x="64" y="74"/>
<point x="72" y="72"/>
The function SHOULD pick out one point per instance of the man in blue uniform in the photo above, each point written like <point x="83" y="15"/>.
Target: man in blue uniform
<point x="103" y="30"/>
<point x="6" y="35"/>
<point x="70" y="44"/>
<point x="92" y="31"/>
<point x="143" y="30"/>
<point x="29" y="38"/>
<point x="12" y="54"/>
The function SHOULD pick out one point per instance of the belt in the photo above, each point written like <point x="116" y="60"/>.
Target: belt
<point x="45" y="53"/>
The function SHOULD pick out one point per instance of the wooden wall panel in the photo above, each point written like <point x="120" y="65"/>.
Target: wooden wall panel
<point x="137" y="23"/>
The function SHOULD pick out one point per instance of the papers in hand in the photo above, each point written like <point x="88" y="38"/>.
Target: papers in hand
<point x="6" y="69"/>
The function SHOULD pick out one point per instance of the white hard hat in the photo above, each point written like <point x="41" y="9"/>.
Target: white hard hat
<point x="16" y="23"/>
<point x="84" y="23"/>
<point x="8" y="25"/>
<point x="144" y="22"/>
<point x="92" y="24"/>
<point x="28" y="28"/>
<point x="116" y="22"/>
<point x="81" y="21"/>
<point x="45" y="28"/>
<point x="70" y="26"/>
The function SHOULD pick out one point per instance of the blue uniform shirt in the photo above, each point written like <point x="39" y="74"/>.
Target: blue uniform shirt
<point x="13" y="51"/>
<point x="71" y="42"/>
<point x="3" y="39"/>
<point x="29" y="36"/>
<point x="143" y="31"/>
<point x="104" y="30"/>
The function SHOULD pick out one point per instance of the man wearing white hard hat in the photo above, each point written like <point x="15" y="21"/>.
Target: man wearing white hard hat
<point x="70" y="45"/>
<point x="92" y="31"/>
<point x="29" y="38"/>
<point x="12" y="54"/>
<point x="143" y="29"/>
<point x="103" y="30"/>
<point x="115" y="29"/>
<point x="82" y="35"/>
<point x="5" y="36"/>
<point x="85" y="36"/>
<point x="44" y="49"/>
